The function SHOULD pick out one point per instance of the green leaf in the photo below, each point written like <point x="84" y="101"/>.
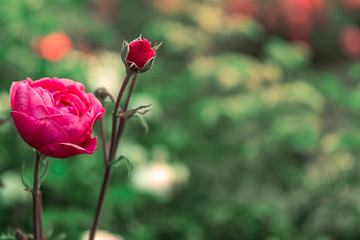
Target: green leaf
<point x="27" y="187"/>
<point x="143" y="122"/>
<point x="122" y="160"/>
<point x="45" y="171"/>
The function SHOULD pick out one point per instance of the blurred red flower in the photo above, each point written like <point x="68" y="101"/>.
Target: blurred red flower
<point x="350" y="41"/>
<point x="54" y="46"/>
<point x="351" y="4"/>
<point x="301" y="16"/>
<point x="242" y="7"/>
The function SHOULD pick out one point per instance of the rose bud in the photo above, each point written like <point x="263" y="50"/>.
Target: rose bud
<point x="138" y="55"/>
<point x="55" y="116"/>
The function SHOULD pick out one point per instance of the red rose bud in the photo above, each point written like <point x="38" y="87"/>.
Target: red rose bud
<point x="138" y="55"/>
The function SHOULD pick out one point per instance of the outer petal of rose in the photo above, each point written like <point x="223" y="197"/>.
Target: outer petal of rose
<point x="98" y="107"/>
<point x="37" y="133"/>
<point x="28" y="127"/>
<point x="65" y="150"/>
<point x="71" y="124"/>
<point x="21" y="99"/>
<point x="66" y="83"/>
<point x="51" y="133"/>
<point x="13" y="89"/>
<point x="43" y="82"/>
<point x="90" y="117"/>
<point x="88" y="132"/>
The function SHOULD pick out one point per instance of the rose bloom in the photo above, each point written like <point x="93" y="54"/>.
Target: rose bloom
<point x="55" y="116"/>
<point x="140" y="52"/>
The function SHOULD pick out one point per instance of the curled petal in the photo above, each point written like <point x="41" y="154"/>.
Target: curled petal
<point x="37" y="133"/>
<point x="65" y="150"/>
<point x="71" y="124"/>
<point x="21" y="99"/>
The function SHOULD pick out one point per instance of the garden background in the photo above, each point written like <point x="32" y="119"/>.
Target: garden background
<point x="254" y="131"/>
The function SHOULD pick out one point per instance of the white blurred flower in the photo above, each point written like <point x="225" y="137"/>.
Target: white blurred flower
<point x="159" y="178"/>
<point x="102" y="235"/>
<point x="105" y="70"/>
<point x="12" y="190"/>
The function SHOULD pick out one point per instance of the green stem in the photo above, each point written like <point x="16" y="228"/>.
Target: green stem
<point x="112" y="152"/>
<point x="35" y="192"/>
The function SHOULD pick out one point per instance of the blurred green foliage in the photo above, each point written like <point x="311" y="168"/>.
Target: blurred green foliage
<point x="263" y="132"/>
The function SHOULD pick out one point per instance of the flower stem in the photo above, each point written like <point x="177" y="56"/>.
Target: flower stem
<point x="103" y="139"/>
<point x="111" y="156"/>
<point x="100" y="203"/>
<point x="115" y="116"/>
<point x="35" y="192"/>
<point x="123" y="119"/>
<point x="39" y="208"/>
<point x="19" y="235"/>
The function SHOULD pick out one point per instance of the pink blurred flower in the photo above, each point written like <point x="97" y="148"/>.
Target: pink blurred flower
<point x="301" y="16"/>
<point x="54" y="46"/>
<point x="350" y="41"/>
<point x="55" y="116"/>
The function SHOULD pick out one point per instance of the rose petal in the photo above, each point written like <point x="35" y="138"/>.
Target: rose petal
<point x="51" y="133"/>
<point x="43" y="82"/>
<point x="66" y="83"/>
<point x="21" y="99"/>
<point x="13" y="89"/>
<point x="45" y="96"/>
<point x="36" y="105"/>
<point x="65" y="150"/>
<point x="71" y="124"/>
<point x="87" y="133"/>
<point x="27" y="126"/>
<point x="75" y="102"/>
<point x="37" y="133"/>
<point x="98" y="107"/>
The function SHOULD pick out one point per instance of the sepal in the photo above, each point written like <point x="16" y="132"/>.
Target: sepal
<point x="124" y="51"/>
<point x="147" y="65"/>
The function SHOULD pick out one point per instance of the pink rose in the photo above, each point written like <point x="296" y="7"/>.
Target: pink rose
<point x="140" y="52"/>
<point x="55" y="116"/>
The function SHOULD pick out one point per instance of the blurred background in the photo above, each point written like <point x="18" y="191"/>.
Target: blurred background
<point x="254" y="131"/>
